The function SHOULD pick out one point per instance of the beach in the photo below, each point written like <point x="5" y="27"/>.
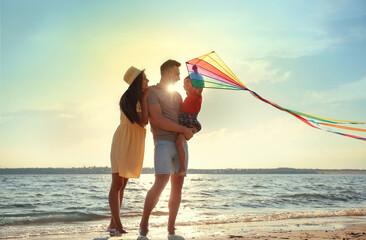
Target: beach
<point x="332" y="228"/>
<point x="316" y="229"/>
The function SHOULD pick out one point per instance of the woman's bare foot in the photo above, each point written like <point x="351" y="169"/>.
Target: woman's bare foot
<point x="111" y="226"/>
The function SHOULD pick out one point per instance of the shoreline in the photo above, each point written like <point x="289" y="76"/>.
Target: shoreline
<point x="147" y="170"/>
<point x="350" y="227"/>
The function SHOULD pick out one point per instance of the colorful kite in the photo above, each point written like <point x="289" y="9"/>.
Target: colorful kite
<point x="209" y="71"/>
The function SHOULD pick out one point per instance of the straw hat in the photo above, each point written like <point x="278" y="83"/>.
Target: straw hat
<point x="131" y="74"/>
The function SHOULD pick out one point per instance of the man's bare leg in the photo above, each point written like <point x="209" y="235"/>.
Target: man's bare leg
<point x="152" y="199"/>
<point x="174" y="200"/>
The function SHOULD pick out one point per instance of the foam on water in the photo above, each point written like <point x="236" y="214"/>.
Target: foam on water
<point x="28" y="231"/>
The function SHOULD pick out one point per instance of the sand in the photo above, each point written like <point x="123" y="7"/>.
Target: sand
<point x="344" y="228"/>
<point x="351" y="232"/>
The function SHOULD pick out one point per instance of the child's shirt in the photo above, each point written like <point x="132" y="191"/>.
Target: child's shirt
<point x="192" y="103"/>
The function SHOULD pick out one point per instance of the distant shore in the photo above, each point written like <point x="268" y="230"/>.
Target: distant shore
<point x="106" y="170"/>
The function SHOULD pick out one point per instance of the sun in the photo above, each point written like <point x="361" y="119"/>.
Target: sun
<point x="171" y="88"/>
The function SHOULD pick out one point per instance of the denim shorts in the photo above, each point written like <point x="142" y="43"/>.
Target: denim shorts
<point x="166" y="157"/>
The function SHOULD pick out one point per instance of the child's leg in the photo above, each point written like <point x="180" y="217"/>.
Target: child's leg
<point x="182" y="154"/>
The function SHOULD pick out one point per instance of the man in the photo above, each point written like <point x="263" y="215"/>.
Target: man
<point x="164" y="107"/>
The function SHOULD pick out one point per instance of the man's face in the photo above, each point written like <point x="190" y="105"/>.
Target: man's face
<point x="174" y="75"/>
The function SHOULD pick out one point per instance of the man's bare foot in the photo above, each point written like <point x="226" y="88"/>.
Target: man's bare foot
<point x="117" y="232"/>
<point x="143" y="230"/>
<point x="171" y="230"/>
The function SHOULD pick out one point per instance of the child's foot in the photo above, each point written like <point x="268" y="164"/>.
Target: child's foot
<point x="181" y="172"/>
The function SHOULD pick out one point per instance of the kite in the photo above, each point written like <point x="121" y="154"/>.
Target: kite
<point x="209" y="71"/>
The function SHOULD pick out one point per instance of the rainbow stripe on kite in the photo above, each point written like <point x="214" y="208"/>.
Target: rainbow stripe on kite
<point x="209" y="71"/>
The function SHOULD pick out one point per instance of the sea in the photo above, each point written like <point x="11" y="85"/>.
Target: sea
<point x="41" y="205"/>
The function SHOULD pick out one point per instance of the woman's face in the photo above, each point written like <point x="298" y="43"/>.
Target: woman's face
<point x="145" y="82"/>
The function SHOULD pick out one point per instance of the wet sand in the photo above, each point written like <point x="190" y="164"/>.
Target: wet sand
<point x="344" y="228"/>
<point x="351" y="232"/>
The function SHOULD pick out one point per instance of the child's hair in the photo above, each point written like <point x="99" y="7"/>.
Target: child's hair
<point x="130" y="98"/>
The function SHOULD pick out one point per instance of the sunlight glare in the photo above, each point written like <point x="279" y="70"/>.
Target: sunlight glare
<point x="171" y="88"/>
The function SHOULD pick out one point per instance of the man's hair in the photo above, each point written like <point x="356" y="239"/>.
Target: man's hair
<point x="168" y="65"/>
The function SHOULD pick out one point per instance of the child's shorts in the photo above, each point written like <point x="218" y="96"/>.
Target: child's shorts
<point x="187" y="120"/>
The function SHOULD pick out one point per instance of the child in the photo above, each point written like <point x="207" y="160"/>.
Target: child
<point x="188" y="117"/>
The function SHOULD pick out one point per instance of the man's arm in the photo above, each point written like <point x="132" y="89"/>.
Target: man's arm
<point x="162" y="122"/>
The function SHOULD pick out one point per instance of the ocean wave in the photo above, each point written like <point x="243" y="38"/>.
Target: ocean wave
<point x="48" y="217"/>
<point x="249" y="194"/>
<point x="18" y="205"/>
<point x="45" y="229"/>
<point x="278" y="216"/>
<point x="305" y="195"/>
<point x="197" y="180"/>
<point x="318" y="196"/>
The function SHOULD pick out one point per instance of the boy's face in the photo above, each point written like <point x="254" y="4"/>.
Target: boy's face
<point x="187" y="85"/>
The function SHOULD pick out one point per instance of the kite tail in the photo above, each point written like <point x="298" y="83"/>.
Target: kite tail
<point x="313" y="121"/>
<point x="210" y="71"/>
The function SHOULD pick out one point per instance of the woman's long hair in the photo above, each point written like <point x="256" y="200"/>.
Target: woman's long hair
<point x="130" y="98"/>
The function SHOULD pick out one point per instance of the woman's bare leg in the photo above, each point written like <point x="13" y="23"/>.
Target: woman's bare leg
<point x="115" y="200"/>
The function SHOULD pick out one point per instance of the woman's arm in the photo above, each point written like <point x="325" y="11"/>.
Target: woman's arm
<point x="144" y="114"/>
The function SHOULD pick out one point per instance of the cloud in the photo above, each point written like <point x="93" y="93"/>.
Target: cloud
<point x="63" y="115"/>
<point x="68" y="136"/>
<point x="345" y="92"/>
<point x="347" y="29"/>
<point x="357" y="32"/>
<point x="282" y="141"/>
<point x="258" y="70"/>
<point x="286" y="75"/>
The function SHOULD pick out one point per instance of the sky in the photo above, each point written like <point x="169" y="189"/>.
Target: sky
<point x="62" y="64"/>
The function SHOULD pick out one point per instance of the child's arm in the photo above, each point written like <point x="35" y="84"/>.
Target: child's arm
<point x="199" y="91"/>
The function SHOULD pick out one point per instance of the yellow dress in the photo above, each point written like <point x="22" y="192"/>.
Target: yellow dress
<point x="128" y="148"/>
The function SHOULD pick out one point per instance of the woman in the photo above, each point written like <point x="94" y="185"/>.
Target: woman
<point x="128" y="144"/>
